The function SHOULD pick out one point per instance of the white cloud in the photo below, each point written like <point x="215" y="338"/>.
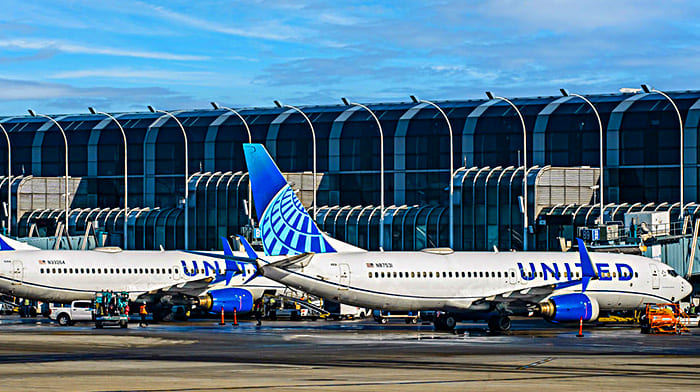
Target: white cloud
<point x="75" y="48"/>
<point x="129" y="73"/>
<point x="275" y="32"/>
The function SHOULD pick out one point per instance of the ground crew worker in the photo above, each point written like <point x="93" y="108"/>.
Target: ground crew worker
<point x="143" y="312"/>
<point x="258" y="310"/>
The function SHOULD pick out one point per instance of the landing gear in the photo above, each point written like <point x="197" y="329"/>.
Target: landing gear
<point x="499" y="323"/>
<point x="445" y="322"/>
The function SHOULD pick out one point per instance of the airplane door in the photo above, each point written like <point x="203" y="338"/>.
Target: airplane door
<point x="18" y="271"/>
<point x="655" y="280"/>
<point x="512" y="277"/>
<point x="344" y="276"/>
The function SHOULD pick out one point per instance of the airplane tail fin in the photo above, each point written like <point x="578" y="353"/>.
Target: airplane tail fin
<point x="7" y="243"/>
<point x="286" y="227"/>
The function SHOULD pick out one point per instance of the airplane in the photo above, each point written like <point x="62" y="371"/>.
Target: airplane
<point x="560" y="287"/>
<point x="160" y="278"/>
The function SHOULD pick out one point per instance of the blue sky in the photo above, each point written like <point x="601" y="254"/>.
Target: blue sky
<point x="62" y="56"/>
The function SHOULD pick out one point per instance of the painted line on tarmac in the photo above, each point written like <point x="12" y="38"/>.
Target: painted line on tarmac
<point x="536" y="363"/>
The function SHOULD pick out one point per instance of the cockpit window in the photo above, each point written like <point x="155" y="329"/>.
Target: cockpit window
<point x="672" y="273"/>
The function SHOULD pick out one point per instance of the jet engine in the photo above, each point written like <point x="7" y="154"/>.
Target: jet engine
<point x="569" y="307"/>
<point x="228" y="299"/>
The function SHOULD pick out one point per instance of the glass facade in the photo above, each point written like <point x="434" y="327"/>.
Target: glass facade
<point x="641" y="138"/>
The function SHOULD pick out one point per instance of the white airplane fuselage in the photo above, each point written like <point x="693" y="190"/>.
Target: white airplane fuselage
<point x="463" y="281"/>
<point x="67" y="275"/>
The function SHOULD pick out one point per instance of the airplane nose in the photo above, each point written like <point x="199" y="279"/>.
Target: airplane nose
<point x="686" y="288"/>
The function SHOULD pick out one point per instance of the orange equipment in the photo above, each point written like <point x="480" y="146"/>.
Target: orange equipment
<point x="663" y="318"/>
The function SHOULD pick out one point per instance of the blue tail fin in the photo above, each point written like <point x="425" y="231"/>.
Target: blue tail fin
<point x="286" y="227"/>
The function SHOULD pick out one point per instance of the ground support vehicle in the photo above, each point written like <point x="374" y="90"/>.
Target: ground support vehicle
<point x="110" y="309"/>
<point x="66" y="315"/>
<point x="340" y="311"/>
<point x="663" y="318"/>
<point x="409" y="318"/>
<point x="298" y="309"/>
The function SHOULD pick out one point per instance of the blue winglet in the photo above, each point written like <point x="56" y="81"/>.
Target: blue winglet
<point x="587" y="269"/>
<point x="248" y="249"/>
<point x="232" y="268"/>
<point x="227" y="246"/>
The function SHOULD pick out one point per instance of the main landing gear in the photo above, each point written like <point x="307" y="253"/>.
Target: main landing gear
<point x="497" y="323"/>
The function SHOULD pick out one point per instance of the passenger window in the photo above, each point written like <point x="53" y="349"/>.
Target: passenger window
<point x="463" y="274"/>
<point x="499" y="274"/>
<point x="394" y="274"/>
<point x="449" y="274"/>
<point x="636" y="275"/>
<point x="469" y="274"/>
<point x="382" y="274"/>
<point x="152" y="271"/>
<point x="413" y="274"/>
<point x="400" y="274"/>
<point x="170" y="271"/>
<point x="444" y="274"/>
<point x="376" y="274"/>
<point x="41" y="271"/>
<point x="430" y="274"/>
<point x="369" y="274"/>
<point x="425" y="274"/>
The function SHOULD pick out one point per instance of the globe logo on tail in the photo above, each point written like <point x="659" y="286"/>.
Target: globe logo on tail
<point x="287" y="229"/>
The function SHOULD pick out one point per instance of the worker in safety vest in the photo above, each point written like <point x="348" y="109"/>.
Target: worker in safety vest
<point x="143" y="312"/>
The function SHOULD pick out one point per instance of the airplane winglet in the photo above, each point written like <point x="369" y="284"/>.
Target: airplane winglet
<point x="587" y="269"/>
<point x="232" y="268"/>
<point x="248" y="249"/>
<point x="227" y="246"/>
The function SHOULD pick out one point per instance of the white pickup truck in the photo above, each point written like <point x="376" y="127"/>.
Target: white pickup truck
<point x="68" y="314"/>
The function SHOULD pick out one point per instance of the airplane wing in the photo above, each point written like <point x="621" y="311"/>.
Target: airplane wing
<point x="529" y="295"/>
<point x="193" y="288"/>
<point x="536" y="294"/>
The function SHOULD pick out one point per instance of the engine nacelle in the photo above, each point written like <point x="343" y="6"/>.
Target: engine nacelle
<point x="570" y="307"/>
<point x="240" y="299"/>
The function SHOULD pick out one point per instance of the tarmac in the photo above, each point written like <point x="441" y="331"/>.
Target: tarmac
<point x="200" y="355"/>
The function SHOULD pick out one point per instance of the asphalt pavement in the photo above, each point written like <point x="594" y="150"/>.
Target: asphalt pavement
<point x="201" y="355"/>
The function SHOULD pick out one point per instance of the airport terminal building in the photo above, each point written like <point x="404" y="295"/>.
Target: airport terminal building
<point x="641" y="141"/>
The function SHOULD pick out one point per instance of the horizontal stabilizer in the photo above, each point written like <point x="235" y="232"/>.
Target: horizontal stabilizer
<point x="7" y="243"/>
